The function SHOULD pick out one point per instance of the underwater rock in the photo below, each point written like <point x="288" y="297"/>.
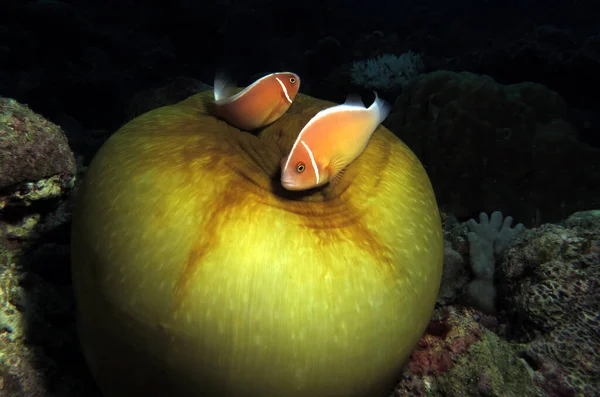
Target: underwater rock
<point x="551" y="285"/>
<point x="488" y="147"/>
<point x="454" y="276"/>
<point x="37" y="171"/>
<point x="543" y="341"/>
<point x="461" y="355"/>
<point x="561" y="57"/>
<point x="39" y="354"/>
<point x="196" y="273"/>
<point x="32" y="149"/>
<point x="456" y="271"/>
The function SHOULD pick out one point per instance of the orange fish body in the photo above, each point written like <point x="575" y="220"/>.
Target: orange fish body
<point x="259" y="104"/>
<point x="330" y="141"/>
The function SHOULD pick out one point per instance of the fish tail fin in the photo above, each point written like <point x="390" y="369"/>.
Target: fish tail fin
<point x="381" y="107"/>
<point x="223" y="86"/>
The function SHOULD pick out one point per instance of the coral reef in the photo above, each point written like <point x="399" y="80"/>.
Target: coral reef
<point x="542" y="341"/>
<point x="491" y="147"/>
<point x="551" y="290"/>
<point x="460" y="354"/>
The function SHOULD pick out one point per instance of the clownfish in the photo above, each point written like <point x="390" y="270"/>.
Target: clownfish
<point x="259" y="104"/>
<point x="330" y="141"/>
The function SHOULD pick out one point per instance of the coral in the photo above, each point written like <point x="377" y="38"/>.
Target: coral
<point x="447" y="336"/>
<point x="583" y="220"/>
<point x="488" y="240"/>
<point x="460" y="355"/>
<point x="489" y="146"/>
<point x="492" y="368"/>
<point x="387" y="72"/>
<point x="551" y="288"/>
<point x="544" y="340"/>
<point x="186" y="247"/>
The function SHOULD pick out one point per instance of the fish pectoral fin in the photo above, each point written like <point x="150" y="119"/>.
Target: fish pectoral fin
<point x="337" y="166"/>
<point x="337" y="177"/>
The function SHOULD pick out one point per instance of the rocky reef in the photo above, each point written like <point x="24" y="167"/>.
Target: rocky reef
<point x="542" y="340"/>
<point x="39" y="353"/>
<point x="490" y="147"/>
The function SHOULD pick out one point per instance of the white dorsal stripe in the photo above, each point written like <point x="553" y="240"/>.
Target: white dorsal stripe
<point x="312" y="160"/>
<point x="222" y="101"/>
<point x="285" y="91"/>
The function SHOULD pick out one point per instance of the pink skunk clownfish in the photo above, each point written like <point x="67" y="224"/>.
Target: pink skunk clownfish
<point x="330" y="141"/>
<point x="259" y="104"/>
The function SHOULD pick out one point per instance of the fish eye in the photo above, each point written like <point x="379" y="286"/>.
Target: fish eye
<point x="300" y="167"/>
<point x="292" y="80"/>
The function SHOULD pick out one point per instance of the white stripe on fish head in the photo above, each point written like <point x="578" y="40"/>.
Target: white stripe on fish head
<point x="312" y="161"/>
<point x="284" y="88"/>
<point x="289" y="157"/>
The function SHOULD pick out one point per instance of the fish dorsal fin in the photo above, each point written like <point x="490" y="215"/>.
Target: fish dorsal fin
<point x="223" y="87"/>
<point x="354" y="100"/>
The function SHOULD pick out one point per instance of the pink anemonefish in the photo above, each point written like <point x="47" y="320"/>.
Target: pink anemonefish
<point x="330" y="141"/>
<point x="259" y="104"/>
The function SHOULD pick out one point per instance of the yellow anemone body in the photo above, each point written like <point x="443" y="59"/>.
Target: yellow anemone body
<point x="196" y="274"/>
